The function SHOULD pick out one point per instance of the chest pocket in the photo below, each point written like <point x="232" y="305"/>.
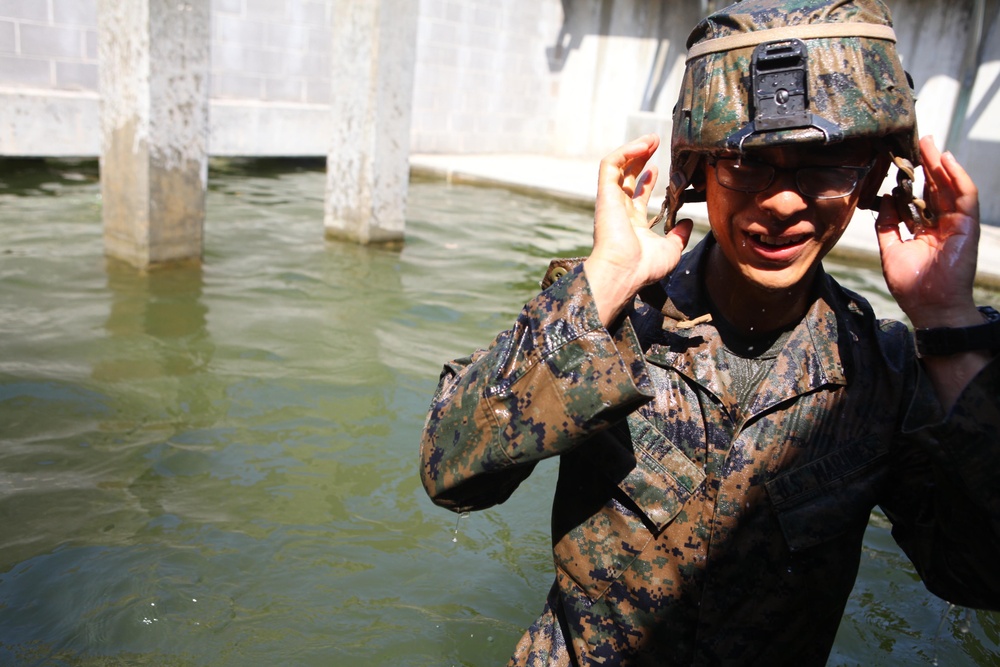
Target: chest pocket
<point x="830" y="496"/>
<point x="645" y="480"/>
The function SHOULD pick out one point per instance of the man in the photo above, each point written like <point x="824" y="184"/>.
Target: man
<point x="727" y="419"/>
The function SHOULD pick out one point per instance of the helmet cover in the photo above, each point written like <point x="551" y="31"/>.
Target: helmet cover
<point x="783" y="72"/>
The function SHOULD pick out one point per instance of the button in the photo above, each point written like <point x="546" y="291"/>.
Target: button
<point x="557" y="272"/>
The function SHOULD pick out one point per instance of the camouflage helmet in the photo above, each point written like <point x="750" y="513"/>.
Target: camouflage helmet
<point x="778" y="72"/>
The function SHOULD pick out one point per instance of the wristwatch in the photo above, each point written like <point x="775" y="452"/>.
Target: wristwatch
<point x="942" y="341"/>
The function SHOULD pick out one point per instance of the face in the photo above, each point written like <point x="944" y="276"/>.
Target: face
<point x="773" y="240"/>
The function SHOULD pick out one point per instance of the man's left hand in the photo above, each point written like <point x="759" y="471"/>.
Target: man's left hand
<point x="931" y="275"/>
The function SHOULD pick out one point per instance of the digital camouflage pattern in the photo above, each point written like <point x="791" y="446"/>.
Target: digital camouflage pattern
<point x="687" y="531"/>
<point x="690" y="528"/>
<point x="856" y="83"/>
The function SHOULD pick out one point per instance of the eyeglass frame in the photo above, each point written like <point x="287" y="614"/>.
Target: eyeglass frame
<point x="860" y="171"/>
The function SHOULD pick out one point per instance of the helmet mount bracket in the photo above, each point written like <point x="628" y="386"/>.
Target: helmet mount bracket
<point x="779" y="74"/>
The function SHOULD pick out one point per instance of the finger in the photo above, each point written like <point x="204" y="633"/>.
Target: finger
<point x="929" y="153"/>
<point x="966" y="194"/>
<point x="948" y="187"/>
<point x="637" y="150"/>
<point x="636" y="165"/>
<point x="624" y="163"/>
<point x="887" y="225"/>
<point x="681" y="232"/>
<point x="644" y="187"/>
<point x="938" y="191"/>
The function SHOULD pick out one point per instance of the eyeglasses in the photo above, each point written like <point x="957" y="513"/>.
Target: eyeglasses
<point x="817" y="182"/>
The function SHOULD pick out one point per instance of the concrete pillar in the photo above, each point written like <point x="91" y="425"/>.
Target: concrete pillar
<point x="154" y="84"/>
<point x="373" y="54"/>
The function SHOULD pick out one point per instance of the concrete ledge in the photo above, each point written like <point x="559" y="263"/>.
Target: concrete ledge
<point x="568" y="180"/>
<point x="49" y="123"/>
<point x="574" y="181"/>
<point x="268" y="129"/>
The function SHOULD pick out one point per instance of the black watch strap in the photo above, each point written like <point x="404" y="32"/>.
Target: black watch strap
<point x="944" y="340"/>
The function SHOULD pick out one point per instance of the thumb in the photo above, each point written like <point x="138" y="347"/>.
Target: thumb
<point x="682" y="232"/>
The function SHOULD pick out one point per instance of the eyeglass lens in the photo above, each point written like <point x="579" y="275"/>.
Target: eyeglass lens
<point x="815" y="182"/>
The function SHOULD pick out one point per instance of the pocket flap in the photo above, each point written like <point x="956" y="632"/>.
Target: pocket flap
<point x="662" y="479"/>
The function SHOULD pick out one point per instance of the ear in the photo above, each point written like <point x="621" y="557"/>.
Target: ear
<point x="868" y="194"/>
<point x="698" y="177"/>
<point x="697" y="168"/>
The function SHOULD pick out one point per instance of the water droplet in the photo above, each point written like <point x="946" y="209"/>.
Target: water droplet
<point x="194" y="599"/>
<point x="687" y="272"/>
<point x="937" y="632"/>
<point x="458" y="521"/>
<point x="965" y="625"/>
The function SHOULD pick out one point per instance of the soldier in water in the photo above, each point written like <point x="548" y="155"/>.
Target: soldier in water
<point x="727" y="418"/>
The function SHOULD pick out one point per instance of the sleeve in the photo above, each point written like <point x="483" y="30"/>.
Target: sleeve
<point x="554" y="379"/>
<point x="946" y="506"/>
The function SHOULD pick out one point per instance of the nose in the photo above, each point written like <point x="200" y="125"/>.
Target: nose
<point x="782" y="198"/>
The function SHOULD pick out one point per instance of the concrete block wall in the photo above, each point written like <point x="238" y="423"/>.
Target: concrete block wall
<point x="271" y="50"/>
<point x="547" y="76"/>
<point x="48" y="44"/>
<point x="482" y="82"/>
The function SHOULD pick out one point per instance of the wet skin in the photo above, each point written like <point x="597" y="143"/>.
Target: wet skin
<point x="770" y="243"/>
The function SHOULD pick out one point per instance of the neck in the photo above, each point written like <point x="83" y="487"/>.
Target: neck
<point x="754" y="309"/>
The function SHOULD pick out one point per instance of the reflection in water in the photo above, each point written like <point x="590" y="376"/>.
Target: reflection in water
<point x="217" y="465"/>
<point x="163" y="308"/>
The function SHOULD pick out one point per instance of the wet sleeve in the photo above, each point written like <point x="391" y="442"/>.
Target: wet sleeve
<point x="542" y="387"/>
<point x="946" y="504"/>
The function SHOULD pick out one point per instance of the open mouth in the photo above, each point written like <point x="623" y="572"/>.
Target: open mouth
<point x="778" y="241"/>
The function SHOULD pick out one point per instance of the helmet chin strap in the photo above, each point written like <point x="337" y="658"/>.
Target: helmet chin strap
<point x="913" y="211"/>
<point x="678" y="192"/>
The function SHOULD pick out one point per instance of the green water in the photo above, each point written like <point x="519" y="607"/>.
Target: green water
<point x="218" y="466"/>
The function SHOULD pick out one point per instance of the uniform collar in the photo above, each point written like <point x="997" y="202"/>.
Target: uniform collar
<point x="812" y="357"/>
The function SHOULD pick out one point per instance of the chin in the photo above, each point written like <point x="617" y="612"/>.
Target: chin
<point x="776" y="281"/>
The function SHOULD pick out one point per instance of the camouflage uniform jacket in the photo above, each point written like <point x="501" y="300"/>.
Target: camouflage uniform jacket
<point x="686" y="532"/>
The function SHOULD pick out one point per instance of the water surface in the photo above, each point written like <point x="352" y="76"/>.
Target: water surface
<point x="218" y="465"/>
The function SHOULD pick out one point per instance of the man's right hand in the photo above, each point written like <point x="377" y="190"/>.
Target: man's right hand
<point x="627" y="254"/>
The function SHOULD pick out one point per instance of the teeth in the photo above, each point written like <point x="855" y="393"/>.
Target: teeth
<point x="777" y="240"/>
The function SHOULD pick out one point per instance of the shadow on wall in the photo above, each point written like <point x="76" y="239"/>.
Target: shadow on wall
<point x="984" y="28"/>
<point x="575" y="24"/>
<point x="582" y="17"/>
